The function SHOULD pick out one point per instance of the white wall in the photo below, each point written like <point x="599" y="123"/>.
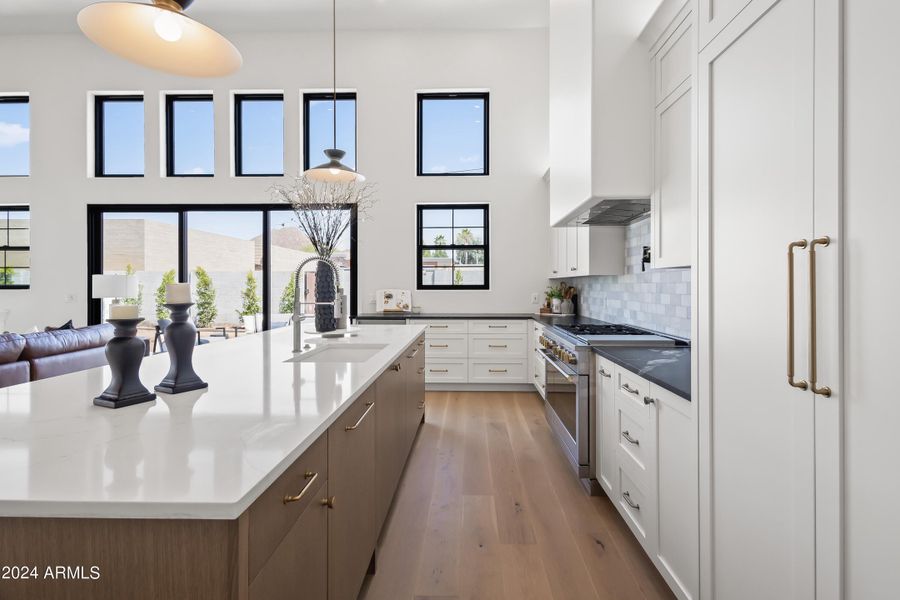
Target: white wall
<point x="871" y="212"/>
<point x="386" y="69"/>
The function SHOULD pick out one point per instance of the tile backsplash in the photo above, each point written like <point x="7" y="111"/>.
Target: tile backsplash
<point x="657" y="299"/>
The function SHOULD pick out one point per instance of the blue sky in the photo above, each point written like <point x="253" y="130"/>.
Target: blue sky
<point x="262" y="137"/>
<point x="123" y="138"/>
<point x="453" y="135"/>
<point x="321" y="136"/>
<point x="15" y="130"/>
<point x="194" y="137"/>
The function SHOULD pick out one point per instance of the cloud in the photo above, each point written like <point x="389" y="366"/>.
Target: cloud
<point x="471" y="158"/>
<point x="12" y="134"/>
<point x="197" y="171"/>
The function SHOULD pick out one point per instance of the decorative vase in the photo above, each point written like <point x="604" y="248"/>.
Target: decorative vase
<point x="556" y="305"/>
<point x="325" y="286"/>
<point x="181" y="336"/>
<point x="124" y="353"/>
<point x="566" y="307"/>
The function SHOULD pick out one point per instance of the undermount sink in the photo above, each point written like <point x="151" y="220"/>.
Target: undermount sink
<point x="339" y="353"/>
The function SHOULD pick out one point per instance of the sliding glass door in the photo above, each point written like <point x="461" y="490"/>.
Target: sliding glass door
<point x="238" y="259"/>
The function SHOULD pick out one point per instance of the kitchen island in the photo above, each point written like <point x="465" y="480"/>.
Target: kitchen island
<point x="278" y="475"/>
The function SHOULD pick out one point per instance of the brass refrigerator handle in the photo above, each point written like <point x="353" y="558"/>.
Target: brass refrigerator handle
<point x="790" y="303"/>
<point x="813" y="374"/>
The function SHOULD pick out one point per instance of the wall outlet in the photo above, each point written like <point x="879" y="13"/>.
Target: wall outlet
<point x="535" y="298"/>
<point x="69" y="298"/>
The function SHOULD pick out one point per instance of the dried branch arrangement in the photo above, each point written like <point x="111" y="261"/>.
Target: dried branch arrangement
<point x="320" y="209"/>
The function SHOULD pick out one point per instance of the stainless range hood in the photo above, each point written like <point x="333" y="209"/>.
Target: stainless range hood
<point x="615" y="211"/>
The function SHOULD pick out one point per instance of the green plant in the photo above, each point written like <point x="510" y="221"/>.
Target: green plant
<point x="554" y="292"/>
<point x="206" y="298"/>
<point x="286" y="306"/>
<point x="6" y="276"/>
<point x="250" y="301"/>
<point x="457" y="277"/>
<point x="161" y="311"/>
<point x="439" y="240"/>
<point x="139" y="299"/>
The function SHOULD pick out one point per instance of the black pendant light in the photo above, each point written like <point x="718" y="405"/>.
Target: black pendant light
<point x="333" y="171"/>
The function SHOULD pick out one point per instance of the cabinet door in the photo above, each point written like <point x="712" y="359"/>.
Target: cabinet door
<point x="414" y="378"/>
<point x="352" y="530"/>
<point x="299" y="564"/>
<point x="557" y="252"/>
<point x="673" y="168"/>
<point x="756" y="98"/>
<point x="606" y="426"/>
<point x="571" y="251"/>
<point x="391" y="437"/>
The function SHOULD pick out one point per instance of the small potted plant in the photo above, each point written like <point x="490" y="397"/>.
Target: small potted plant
<point x="554" y="298"/>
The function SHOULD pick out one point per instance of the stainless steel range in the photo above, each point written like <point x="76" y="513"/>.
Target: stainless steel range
<point x="569" y="394"/>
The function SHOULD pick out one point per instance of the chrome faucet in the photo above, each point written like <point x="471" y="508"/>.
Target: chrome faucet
<point x="299" y="315"/>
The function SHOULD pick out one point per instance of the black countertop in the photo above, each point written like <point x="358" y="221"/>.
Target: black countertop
<point x="668" y="367"/>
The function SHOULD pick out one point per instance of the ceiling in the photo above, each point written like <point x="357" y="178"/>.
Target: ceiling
<point x="39" y="16"/>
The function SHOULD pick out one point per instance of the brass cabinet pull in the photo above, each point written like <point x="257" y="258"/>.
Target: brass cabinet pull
<point x="371" y="405"/>
<point x="421" y="406"/>
<point x="497" y="346"/>
<point x="312" y="479"/>
<point x="631" y="502"/>
<point x="630" y="389"/>
<point x="648" y="400"/>
<point x="413" y="355"/>
<point x="438" y="370"/>
<point x="603" y="373"/>
<point x="329" y="502"/>
<point x="627" y="435"/>
<point x="439" y="326"/>
<point x="398" y="367"/>
<point x="420" y="370"/>
<point x="497" y="371"/>
<point x="813" y="369"/>
<point x="420" y="343"/>
<point x="790" y="332"/>
<point x="438" y="345"/>
<point x="498" y="326"/>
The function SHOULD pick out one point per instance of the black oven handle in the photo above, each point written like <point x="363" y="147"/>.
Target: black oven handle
<point x="554" y="362"/>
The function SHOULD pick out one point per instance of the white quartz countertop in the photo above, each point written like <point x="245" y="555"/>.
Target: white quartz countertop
<point x="200" y="455"/>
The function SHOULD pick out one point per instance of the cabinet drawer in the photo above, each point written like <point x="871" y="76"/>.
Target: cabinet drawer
<point x="446" y="346"/>
<point x="634" y="389"/>
<point x="446" y="371"/>
<point x="500" y="346"/>
<point x="500" y="326"/>
<point x="633" y="437"/>
<point x="633" y="503"/>
<point x="442" y="326"/>
<point x="498" y="371"/>
<point x="271" y="518"/>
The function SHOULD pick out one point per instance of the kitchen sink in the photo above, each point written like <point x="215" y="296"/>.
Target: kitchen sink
<point x="339" y="353"/>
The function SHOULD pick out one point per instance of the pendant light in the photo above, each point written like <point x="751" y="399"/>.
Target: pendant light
<point x="333" y="171"/>
<point x="160" y="36"/>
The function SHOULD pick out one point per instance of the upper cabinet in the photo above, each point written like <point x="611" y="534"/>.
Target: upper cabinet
<point x="670" y="36"/>
<point x="600" y="99"/>
<point x="580" y="251"/>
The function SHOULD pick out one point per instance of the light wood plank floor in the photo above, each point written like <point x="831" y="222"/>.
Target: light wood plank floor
<point x="488" y="508"/>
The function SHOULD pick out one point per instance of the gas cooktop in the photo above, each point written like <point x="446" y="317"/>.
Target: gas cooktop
<point x="611" y="334"/>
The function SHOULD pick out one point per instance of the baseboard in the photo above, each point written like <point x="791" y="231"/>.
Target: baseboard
<point x="479" y="387"/>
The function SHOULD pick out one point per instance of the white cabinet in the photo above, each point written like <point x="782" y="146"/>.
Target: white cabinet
<point x="647" y="463"/>
<point x="672" y="58"/>
<point x="769" y="165"/>
<point x="538" y="366"/>
<point x="587" y="251"/>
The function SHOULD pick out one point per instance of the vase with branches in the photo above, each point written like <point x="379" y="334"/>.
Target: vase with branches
<point x="324" y="212"/>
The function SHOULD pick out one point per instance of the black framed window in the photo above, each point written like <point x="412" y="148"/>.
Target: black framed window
<point x="190" y="135"/>
<point x="259" y="135"/>
<point x="15" y="248"/>
<point x="230" y="242"/>
<point x="453" y="251"/>
<point x="119" y="136"/>
<point x="15" y="136"/>
<point x="453" y="134"/>
<point x="318" y="127"/>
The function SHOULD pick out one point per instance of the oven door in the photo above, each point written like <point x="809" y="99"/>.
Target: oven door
<point x="568" y="403"/>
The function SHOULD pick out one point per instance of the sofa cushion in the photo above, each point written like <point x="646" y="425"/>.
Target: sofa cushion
<point x="14" y="373"/>
<point x="70" y="362"/>
<point x="11" y="346"/>
<point x="52" y="343"/>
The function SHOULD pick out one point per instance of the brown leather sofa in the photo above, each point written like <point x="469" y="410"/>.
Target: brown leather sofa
<point x="13" y="370"/>
<point x="50" y="353"/>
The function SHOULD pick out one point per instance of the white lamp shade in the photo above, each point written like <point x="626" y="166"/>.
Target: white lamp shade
<point x="114" y="286"/>
<point x="159" y="38"/>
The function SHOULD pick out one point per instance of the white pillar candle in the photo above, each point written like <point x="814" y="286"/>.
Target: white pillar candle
<point x="123" y="311"/>
<point x="178" y="293"/>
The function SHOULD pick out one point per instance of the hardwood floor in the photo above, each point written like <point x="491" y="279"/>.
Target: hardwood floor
<point x="489" y="509"/>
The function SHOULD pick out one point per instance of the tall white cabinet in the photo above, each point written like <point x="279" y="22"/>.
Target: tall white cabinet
<point x="768" y="154"/>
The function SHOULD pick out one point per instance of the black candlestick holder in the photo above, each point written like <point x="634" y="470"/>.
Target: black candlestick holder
<point x="124" y="352"/>
<point x="181" y="336"/>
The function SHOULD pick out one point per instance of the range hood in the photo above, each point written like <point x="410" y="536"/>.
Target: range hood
<point x="615" y="211"/>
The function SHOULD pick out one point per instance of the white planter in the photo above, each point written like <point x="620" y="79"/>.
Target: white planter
<point x="252" y="323"/>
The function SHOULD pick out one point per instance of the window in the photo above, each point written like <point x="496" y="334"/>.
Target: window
<point x="15" y="129"/>
<point x="15" y="247"/>
<point x="453" y="246"/>
<point x="190" y="136"/>
<point x="119" y="136"/>
<point x="453" y="134"/>
<point x="318" y="128"/>
<point x="259" y="134"/>
<point x="239" y="247"/>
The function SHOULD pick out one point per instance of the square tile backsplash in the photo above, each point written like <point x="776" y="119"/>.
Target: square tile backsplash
<point x="658" y="299"/>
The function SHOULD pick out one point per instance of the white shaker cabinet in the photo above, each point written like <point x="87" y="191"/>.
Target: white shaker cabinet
<point x="583" y="251"/>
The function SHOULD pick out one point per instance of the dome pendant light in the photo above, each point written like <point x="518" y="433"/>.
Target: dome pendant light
<point x="333" y="171"/>
<point x="160" y="36"/>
